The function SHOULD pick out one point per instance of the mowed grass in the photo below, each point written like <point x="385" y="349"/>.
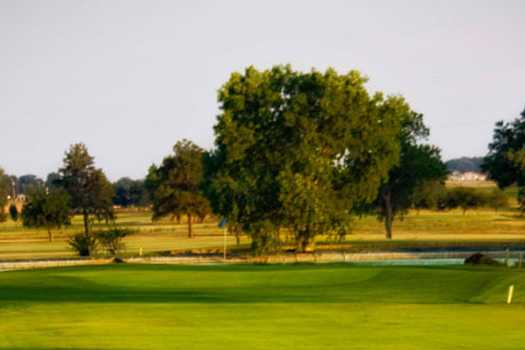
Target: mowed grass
<point x="261" y="307"/>
<point x="433" y="228"/>
<point x="17" y="242"/>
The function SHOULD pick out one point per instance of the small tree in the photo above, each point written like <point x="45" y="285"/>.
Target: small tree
<point x="428" y="195"/>
<point x="465" y="198"/>
<point x="90" y="191"/>
<point x="175" y="185"/>
<point x="49" y="210"/>
<point x="419" y="163"/>
<point x="13" y="212"/>
<point x="112" y="239"/>
<point x="83" y="244"/>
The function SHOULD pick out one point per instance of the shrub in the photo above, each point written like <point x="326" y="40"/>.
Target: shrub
<point x="112" y="239"/>
<point x="497" y="199"/>
<point x="84" y="245"/>
<point x="465" y="198"/>
<point x="13" y="212"/>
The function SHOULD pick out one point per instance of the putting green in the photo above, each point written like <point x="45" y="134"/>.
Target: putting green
<point x="261" y="307"/>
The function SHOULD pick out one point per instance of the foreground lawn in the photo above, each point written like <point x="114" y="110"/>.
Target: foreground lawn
<point x="261" y="307"/>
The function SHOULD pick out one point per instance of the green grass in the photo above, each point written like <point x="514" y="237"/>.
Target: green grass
<point x="261" y="307"/>
<point x="481" y="227"/>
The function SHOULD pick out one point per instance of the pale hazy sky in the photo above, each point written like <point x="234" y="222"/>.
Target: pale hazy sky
<point x="130" y="78"/>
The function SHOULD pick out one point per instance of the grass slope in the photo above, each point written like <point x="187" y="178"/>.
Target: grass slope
<point x="261" y="307"/>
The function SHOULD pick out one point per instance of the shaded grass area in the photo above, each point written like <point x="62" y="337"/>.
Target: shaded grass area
<point x="261" y="307"/>
<point x="480" y="229"/>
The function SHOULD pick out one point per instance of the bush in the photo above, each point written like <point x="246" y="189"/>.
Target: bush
<point x="497" y="199"/>
<point x="465" y="198"/>
<point x="111" y="240"/>
<point x="265" y="240"/>
<point x="481" y="259"/>
<point x="84" y="245"/>
<point x="13" y="212"/>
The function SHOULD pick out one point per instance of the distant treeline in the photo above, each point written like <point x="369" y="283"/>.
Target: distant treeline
<point x="435" y="196"/>
<point x="465" y="164"/>
<point x="127" y="192"/>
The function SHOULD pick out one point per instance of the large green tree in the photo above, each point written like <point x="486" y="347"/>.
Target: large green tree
<point x="419" y="163"/>
<point x="90" y="191"/>
<point x="299" y="151"/>
<point x="505" y="161"/>
<point x="175" y="186"/>
<point x="46" y="209"/>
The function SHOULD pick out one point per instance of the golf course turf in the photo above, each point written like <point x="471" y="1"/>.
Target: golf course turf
<point x="262" y="307"/>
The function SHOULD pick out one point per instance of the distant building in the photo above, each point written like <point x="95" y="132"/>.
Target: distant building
<point x="457" y="176"/>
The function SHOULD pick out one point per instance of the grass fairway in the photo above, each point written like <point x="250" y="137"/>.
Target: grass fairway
<point x="261" y="307"/>
<point x="481" y="226"/>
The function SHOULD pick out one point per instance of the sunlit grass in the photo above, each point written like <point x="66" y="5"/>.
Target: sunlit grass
<point x="261" y="307"/>
<point x="424" y="227"/>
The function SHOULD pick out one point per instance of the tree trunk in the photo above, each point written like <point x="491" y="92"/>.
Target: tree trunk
<point x="190" y="232"/>
<point x="86" y="222"/>
<point x="389" y="218"/>
<point x="303" y="244"/>
<point x="50" y="235"/>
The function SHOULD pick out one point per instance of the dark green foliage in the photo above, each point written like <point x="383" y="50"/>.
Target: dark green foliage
<point x="83" y="244"/>
<point x="130" y="192"/>
<point x="26" y="183"/>
<point x="505" y="162"/>
<point x="49" y="210"/>
<point x="497" y="199"/>
<point x="111" y="240"/>
<point x="90" y="191"/>
<point x="175" y="186"/>
<point x="521" y="199"/>
<point x="465" y="164"/>
<point x="13" y="212"/>
<point x="53" y="180"/>
<point x="465" y="198"/>
<point x="429" y="194"/>
<point x="418" y="165"/>
<point x="299" y="151"/>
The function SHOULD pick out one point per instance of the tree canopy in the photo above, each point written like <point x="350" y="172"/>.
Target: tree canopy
<point x="300" y="150"/>
<point x="46" y="209"/>
<point x="90" y="191"/>
<point x="26" y="183"/>
<point x="175" y="186"/>
<point x="130" y="192"/>
<point x="505" y="161"/>
<point x="419" y="163"/>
